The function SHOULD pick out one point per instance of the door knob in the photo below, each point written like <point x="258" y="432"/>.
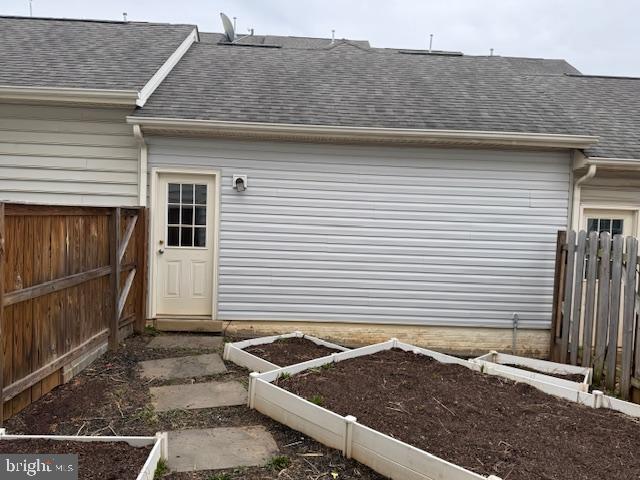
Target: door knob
<point x="161" y="251"/>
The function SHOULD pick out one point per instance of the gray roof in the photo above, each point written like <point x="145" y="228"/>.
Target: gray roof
<point x="371" y="87"/>
<point x="346" y="85"/>
<point x="277" y="40"/>
<point x="84" y="53"/>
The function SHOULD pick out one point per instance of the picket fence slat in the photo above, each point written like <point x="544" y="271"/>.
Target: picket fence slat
<point x="574" y="341"/>
<point x="590" y="300"/>
<point x="568" y="292"/>
<point x="602" y="319"/>
<point x="629" y="317"/>
<point x="614" y="312"/>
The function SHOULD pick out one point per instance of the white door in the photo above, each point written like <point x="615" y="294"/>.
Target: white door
<point x="184" y="236"/>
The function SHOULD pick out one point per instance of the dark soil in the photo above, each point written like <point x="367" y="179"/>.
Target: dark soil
<point x="289" y="351"/>
<point x="572" y="377"/>
<point x="96" y="460"/>
<point x="484" y="423"/>
<point x="109" y="398"/>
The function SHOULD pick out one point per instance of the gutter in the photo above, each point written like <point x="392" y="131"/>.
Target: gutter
<point x="142" y="166"/>
<point x="576" y="194"/>
<point x="359" y="134"/>
<point x="92" y="96"/>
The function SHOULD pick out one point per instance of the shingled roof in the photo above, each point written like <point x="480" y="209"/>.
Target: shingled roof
<point x="277" y="40"/>
<point x="44" y="52"/>
<point x="372" y="87"/>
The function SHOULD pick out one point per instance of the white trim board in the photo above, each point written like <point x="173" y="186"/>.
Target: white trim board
<point x="375" y="134"/>
<point x="234" y="352"/>
<point x="388" y="456"/>
<point x="509" y="363"/>
<point x="160" y="449"/>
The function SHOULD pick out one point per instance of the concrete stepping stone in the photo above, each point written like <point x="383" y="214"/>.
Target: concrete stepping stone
<point x="218" y="448"/>
<point x="185" y="341"/>
<point x="198" y="395"/>
<point x="183" y="367"/>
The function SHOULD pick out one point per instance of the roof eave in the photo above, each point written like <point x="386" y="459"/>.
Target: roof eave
<point x="613" y="163"/>
<point x="360" y="134"/>
<point x="69" y="95"/>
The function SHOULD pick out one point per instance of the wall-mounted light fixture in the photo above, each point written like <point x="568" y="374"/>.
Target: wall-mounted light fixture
<point x="240" y="182"/>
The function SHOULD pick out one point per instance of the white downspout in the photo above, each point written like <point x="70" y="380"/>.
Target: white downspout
<point x="142" y="166"/>
<point x="575" y="221"/>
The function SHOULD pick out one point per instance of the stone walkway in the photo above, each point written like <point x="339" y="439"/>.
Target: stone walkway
<point x="206" y="449"/>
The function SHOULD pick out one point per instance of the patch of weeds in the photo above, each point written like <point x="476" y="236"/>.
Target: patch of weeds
<point x="284" y="376"/>
<point x="151" y="330"/>
<point x="328" y="366"/>
<point x="279" y="462"/>
<point x="317" y="400"/>
<point x="220" y="476"/>
<point x="147" y="414"/>
<point x="161" y="469"/>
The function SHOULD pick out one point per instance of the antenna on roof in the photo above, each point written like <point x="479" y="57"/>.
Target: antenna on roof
<point x="430" y="42"/>
<point x="229" y="31"/>
<point x="235" y="19"/>
<point x="333" y="36"/>
<point x="31" y="8"/>
<point x="491" y="52"/>
<point x="124" y="16"/>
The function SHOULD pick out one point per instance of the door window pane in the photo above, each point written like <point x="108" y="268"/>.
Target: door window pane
<point x="201" y="194"/>
<point x="187" y="193"/>
<point x="173" y="237"/>
<point x="186" y="207"/>
<point x="614" y="226"/>
<point x="174" y="193"/>
<point x="200" y="239"/>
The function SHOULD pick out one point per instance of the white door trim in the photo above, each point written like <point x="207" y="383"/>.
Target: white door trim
<point x="152" y="304"/>
<point x="633" y="209"/>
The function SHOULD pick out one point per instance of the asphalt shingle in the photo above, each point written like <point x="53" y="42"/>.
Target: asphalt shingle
<point x="42" y="52"/>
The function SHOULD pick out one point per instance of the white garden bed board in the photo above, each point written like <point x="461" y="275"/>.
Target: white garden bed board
<point x="386" y="455"/>
<point x="510" y="363"/>
<point x="234" y="352"/>
<point x="160" y="449"/>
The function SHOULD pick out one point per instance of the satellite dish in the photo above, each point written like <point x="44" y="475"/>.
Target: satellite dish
<point x="228" y="28"/>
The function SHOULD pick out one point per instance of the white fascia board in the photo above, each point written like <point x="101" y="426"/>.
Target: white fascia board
<point x="69" y="95"/>
<point x="343" y="133"/>
<point x="155" y="81"/>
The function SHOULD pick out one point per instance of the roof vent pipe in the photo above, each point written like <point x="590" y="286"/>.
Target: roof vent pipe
<point x="333" y="37"/>
<point x="430" y="42"/>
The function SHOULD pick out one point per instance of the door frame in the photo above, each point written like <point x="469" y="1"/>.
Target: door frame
<point x="633" y="209"/>
<point x="156" y="172"/>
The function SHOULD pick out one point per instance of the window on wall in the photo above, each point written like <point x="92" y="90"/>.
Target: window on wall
<point x="614" y="226"/>
<point x="186" y="215"/>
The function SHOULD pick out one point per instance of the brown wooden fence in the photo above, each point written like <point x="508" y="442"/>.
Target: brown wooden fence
<point x="73" y="279"/>
<point x="596" y="305"/>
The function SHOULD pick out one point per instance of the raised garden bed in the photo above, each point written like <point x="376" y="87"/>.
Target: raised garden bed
<point x="270" y="353"/>
<point x="99" y="458"/>
<point x="480" y="426"/>
<point x="568" y="376"/>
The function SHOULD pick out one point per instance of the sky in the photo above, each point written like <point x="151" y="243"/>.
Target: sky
<point x="599" y="37"/>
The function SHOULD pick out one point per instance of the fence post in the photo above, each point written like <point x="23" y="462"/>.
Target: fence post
<point x="614" y="312"/>
<point x="574" y="341"/>
<point x="141" y="264"/>
<point x="2" y="262"/>
<point x="114" y="246"/>
<point x="558" y="294"/>
<point x="568" y="295"/>
<point x="629" y="317"/>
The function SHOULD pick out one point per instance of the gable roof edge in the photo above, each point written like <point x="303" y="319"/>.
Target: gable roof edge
<point x="157" y="78"/>
<point x="93" y="96"/>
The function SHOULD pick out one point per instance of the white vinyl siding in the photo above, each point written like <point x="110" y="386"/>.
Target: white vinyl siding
<point x="618" y="188"/>
<point x="421" y="236"/>
<point x="67" y="156"/>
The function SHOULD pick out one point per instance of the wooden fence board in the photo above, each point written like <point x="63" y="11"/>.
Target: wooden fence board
<point x="629" y="317"/>
<point x="558" y="292"/>
<point x="568" y="295"/>
<point x="574" y="341"/>
<point x="590" y="299"/>
<point x="614" y="312"/>
<point x="602" y="319"/>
